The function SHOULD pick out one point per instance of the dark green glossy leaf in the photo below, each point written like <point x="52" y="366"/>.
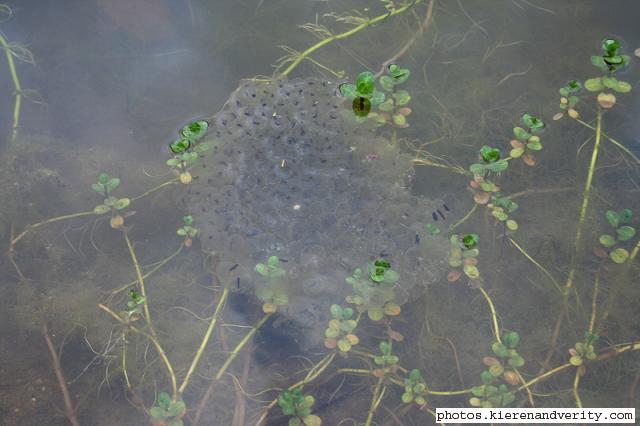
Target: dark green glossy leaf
<point x="361" y="106"/>
<point x="180" y="146"/>
<point x="612" y="217"/>
<point x="194" y="131"/>
<point x="365" y="84"/>
<point x="511" y="339"/>
<point x="625" y="232"/>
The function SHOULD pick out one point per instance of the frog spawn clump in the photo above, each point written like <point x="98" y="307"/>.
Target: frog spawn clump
<point x="262" y="190"/>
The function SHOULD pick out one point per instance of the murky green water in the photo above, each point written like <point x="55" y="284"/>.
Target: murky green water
<point x="285" y="170"/>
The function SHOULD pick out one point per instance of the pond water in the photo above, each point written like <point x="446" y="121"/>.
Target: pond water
<point x="268" y="212"/>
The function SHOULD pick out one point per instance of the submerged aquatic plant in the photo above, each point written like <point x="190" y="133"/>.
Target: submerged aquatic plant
<point x="272" y="292"/>
<point x="624" y="232"/>
<point x="187" y="147"/>
<point x="298" y="406"/>
<point x="187" y="231"/>
<point x="363" y="94"/>
<point x="340" y="331"/>
<point x="500" y="374"/>
<point x="167" y="412"/>
<point x="374" y="289"/>
<point x="394" y="110"/>
<point x="415" y="388"/>
<point x="464" y="252"/>
<point x="105" y="186"/>
<point x="583" y="350"/>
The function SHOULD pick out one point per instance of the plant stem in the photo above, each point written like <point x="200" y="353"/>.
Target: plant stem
<point x="240" y="345"/>
<point x="576" y="382"/>
<point x="16" y="84"/>
<point x="465" y="218"/>
<point x="159" y="265"/>
<point x="532" y="260"/>
<point x="143" y="291"/>
<point x="613" y="141"/>
<point x="344" y="35"/>
<point x="155" y="188"/>
<point x="375" y="401"/>
<point x="28" y="228"/>
<point x="156" y="343"/>
<point x="69" y="411"/>
<point x="494" y="316"/>
<point x="205" y="340"/>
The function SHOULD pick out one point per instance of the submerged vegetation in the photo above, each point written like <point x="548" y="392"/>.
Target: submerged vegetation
<point x="362" y="342"/>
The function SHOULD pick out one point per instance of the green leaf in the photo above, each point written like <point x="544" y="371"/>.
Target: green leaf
<point x="500" y="350"/>
<point x="432" y="229"/>
<point x="609" y="82"/>
<point x="173" y="162"/>
<point x="625" y="232"/>
<point x="625" y="215"/>
<point x="377" y="97"/>
<point x="101" y="209"/>
<point x="511" y="339"/>
<point x="177" y="409"/>
<point x="344" y="345"/>
<point x="195" y="130"/>
<point x="532" y="122"/>
<point x="407" y="398"/>
<point x="347" y="313"/>
<point x="478" y="390"/>
<point x="348" y="325"/>
<point x="112" y="184"/>
<point x="103" y="178"/>
<point x="331" y="333"/>
<point x="164" y="400"/>
<point x="478" y="169"/>
<point x="610" y="46"/>
<point x="402" y="97"/>
<point x="499" y="166"/>
<point x="262" y="269"/>
<point x="273" y="262"/>
<point x="348" y="90"/>
<point x="516" y="361"/>
<point x="496" y="370"/>
<point x="312" y="420"/>
<point x="399" y="120"/>
<point x="385" y="347"/>
<point x="598" y="62"/>
<point x="336" y="311"/>
<point x="365" y="84"/>
<point x="471" y="271"/>
<point x="489" y="155"/>
<point x="564" y="92"/>
<point x="308" y="401"/>
<point x="98" y="187"/>
<point x="175" y="422"/>
<point x="386" y="106"/>
<point x="534" y="144"/>
<point x="294" y="421"/>
<point x="122" y="203"/>
<point x="516" y="152"/>
<point x="179" y="146"/>
<point x="622" y="87"/>
<point x="469" y="241"/>
<point x="391" y="276"/>
<point x="399" y="75"/>
<point x="486" y="378"/>
<point x="521" y="134"/>
<point x="375" y="314"/>
<point x="512" y="225"/>
<point x="387" y="83"/>
<point x="613" y="218"/>
<point x="575" y="360"/>
<point x="594" y="84"/>
<point x="158" y="413"/>
<point x="619" y="255"/>
<point x="607" y="240"/>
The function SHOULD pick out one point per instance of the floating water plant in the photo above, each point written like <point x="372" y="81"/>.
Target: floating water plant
<point x="272" y="292"/>
<point x="105" y="186"/>
<point x="583" y="350"/>
<point x="464" y="253"/>
<point x="394" y="110"/>
<point x="526" y="139"/>
<point x="340" y="331"/>
<point x="135" y="303"/>
<point x="501" y="207"/>
<point x="167" y="412"/>
<point x="298" y="407"/>
<point x="624" y="232"/>
<point x="187" y="231"/>
<point x="415" y="388"/>
<point x="609" y="62"/>
<point x="386" y="359"/>
<point x="569" y="99"/>
<point x="363" y="94"/>
<point x="492" y="393"/>
<point x="374" y="289"/>
<point x="187" y="148"/>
